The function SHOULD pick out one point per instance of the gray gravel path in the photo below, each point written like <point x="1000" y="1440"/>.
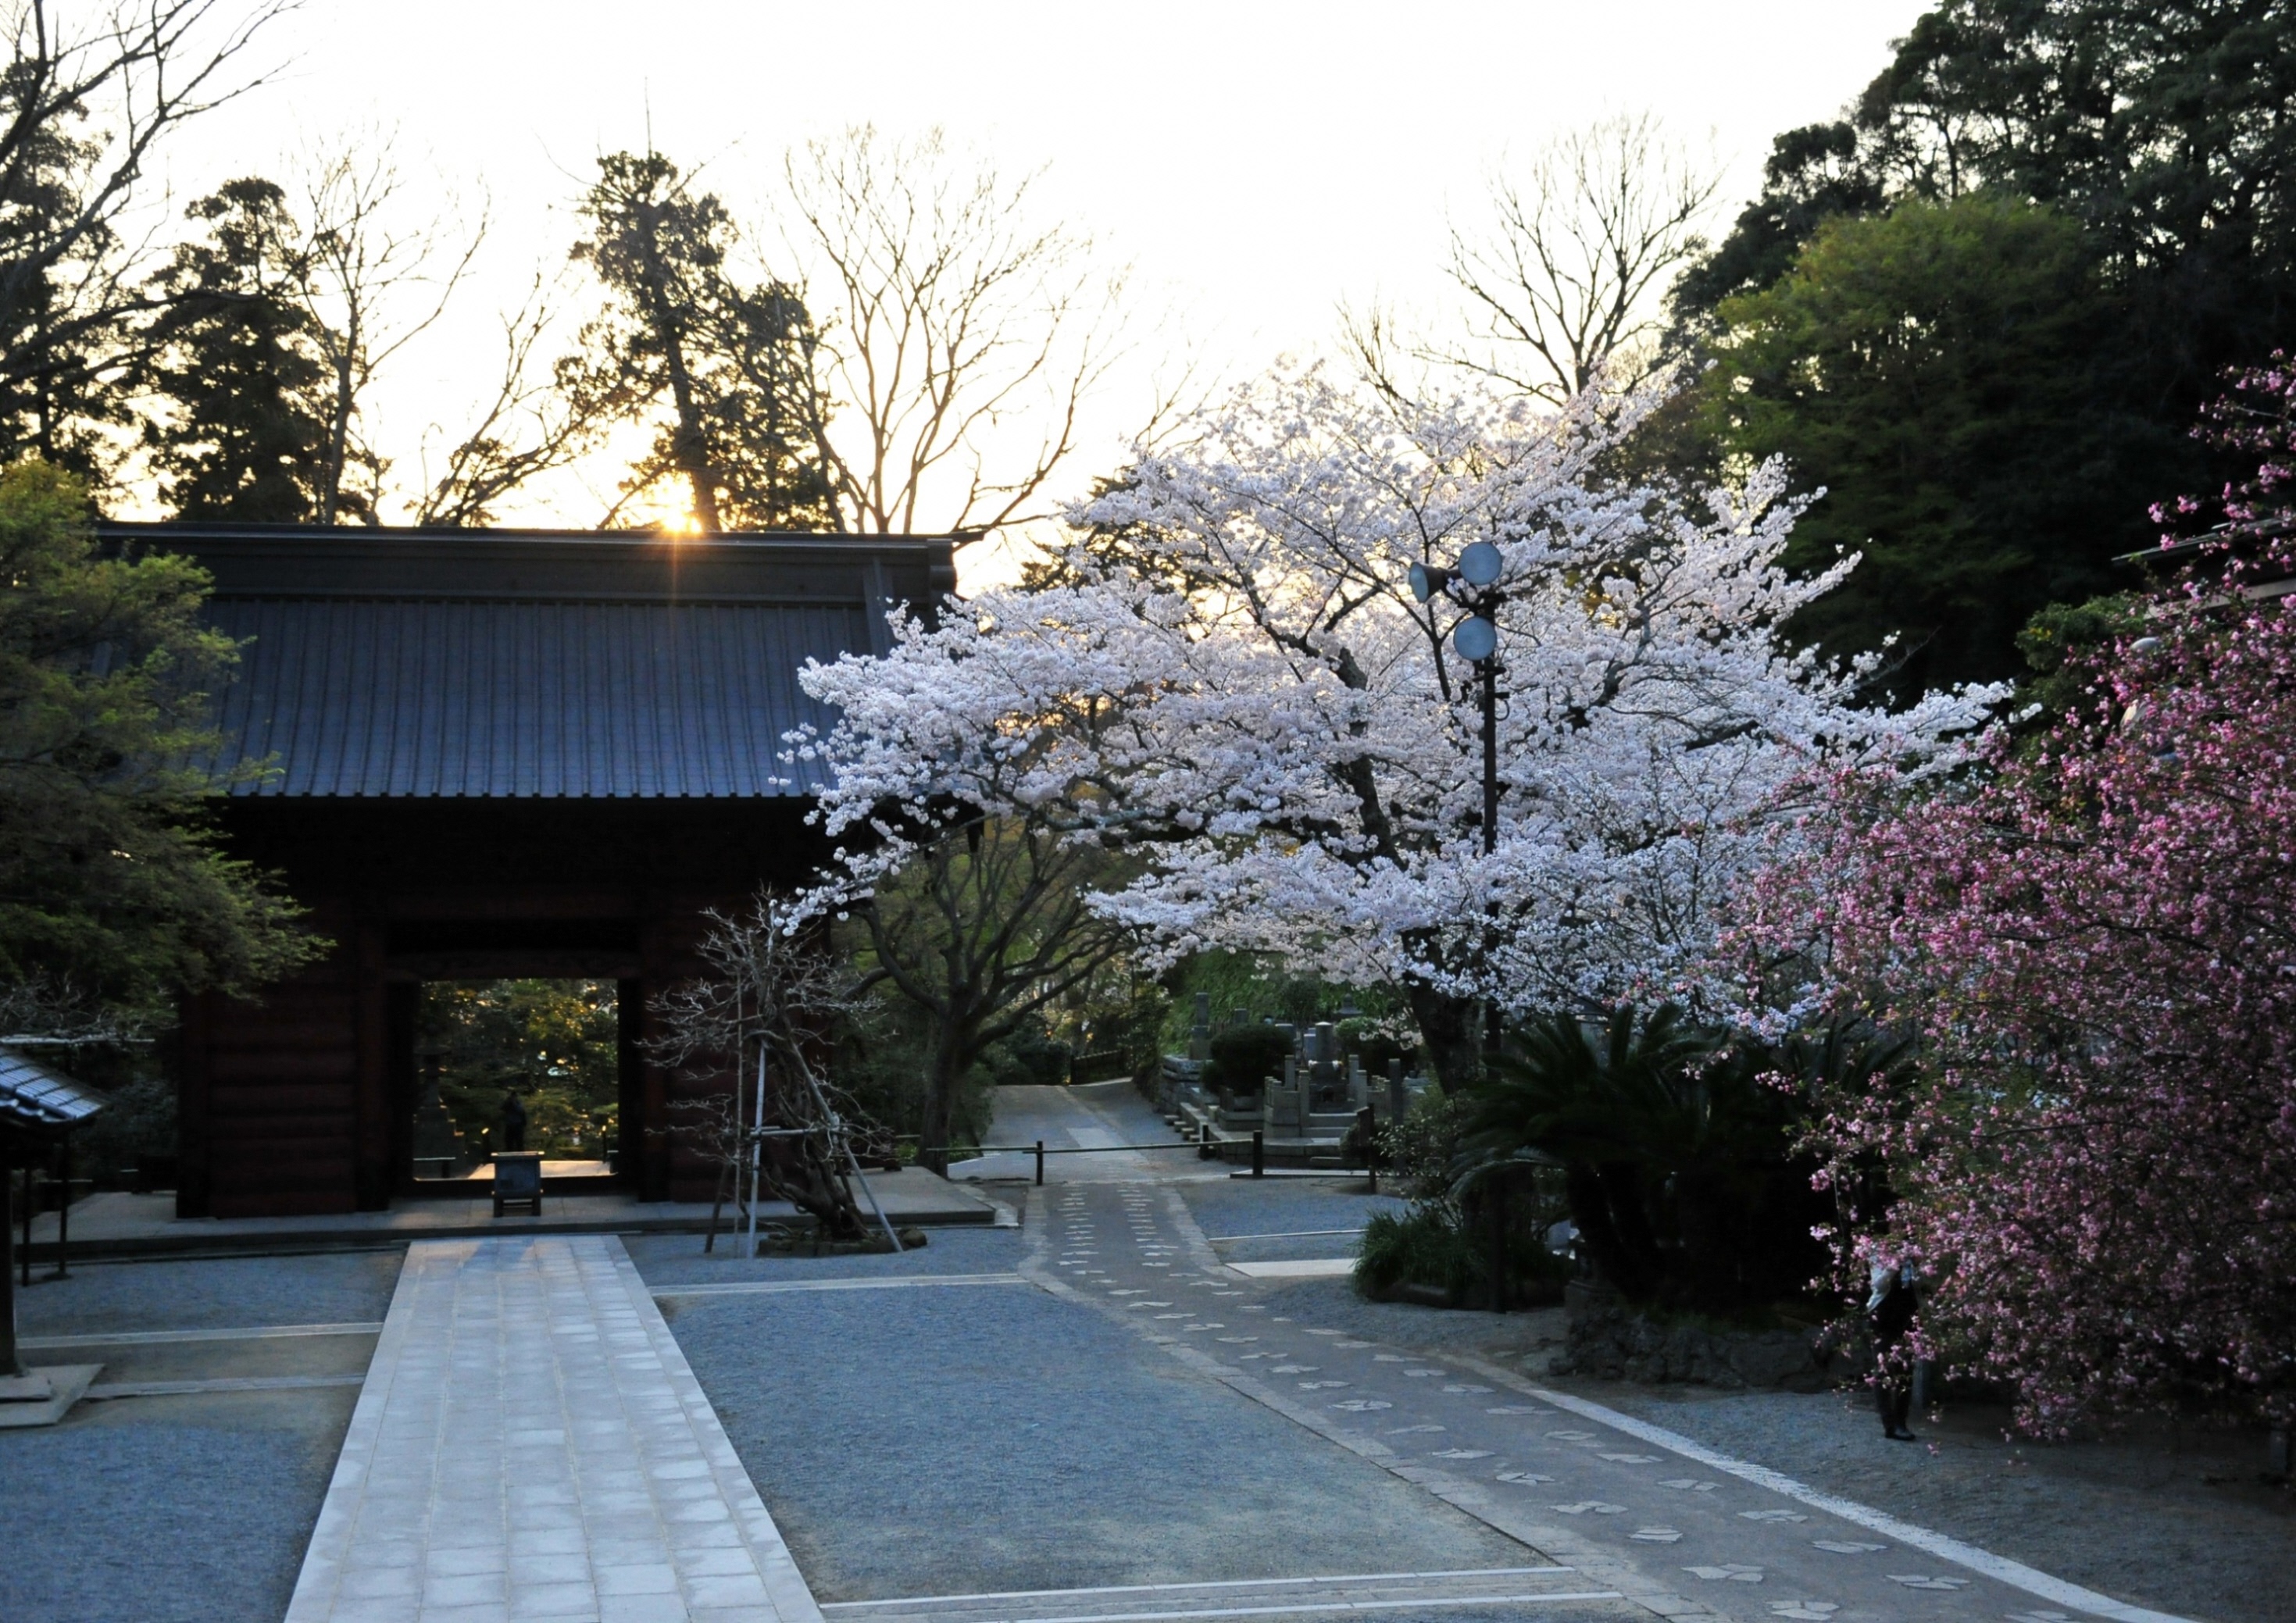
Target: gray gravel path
<point x="928" y="1441"/>
<point x="211" y="1293"/>
<point x="666" y="1259"/>
<point x="1306" y="1218"/>
<point x="167" y="1510"/>
<point x="191" y="1508"/>
<point x="2182" y="1525"/>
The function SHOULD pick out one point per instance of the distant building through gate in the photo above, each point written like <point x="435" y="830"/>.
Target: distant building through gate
<point x="496" y="753"/>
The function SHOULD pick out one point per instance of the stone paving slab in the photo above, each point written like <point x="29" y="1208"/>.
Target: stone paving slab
<point x="66" y="1384"/>
<point x="116" y="1224"/>
<point x="530" y="1444"/>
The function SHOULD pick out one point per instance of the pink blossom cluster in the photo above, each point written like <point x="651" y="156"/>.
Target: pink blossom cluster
<point x="2095" y="940"/>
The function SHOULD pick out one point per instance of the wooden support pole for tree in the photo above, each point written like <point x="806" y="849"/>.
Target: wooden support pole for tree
<point x="9" y="1363"/>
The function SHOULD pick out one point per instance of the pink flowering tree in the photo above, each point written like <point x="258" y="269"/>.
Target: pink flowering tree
<point x="2095" y="940"/>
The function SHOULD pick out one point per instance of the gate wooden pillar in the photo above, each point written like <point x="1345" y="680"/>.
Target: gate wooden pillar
<point x="642" y="1167"/>
<point x="372" y="1171"/>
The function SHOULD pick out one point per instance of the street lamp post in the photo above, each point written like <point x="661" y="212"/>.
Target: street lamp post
<point x="1473" y="584"/>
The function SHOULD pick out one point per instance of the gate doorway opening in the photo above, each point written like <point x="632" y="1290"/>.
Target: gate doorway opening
<point x="517" y="1062"/>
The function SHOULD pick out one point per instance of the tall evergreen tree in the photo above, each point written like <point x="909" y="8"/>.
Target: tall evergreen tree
<point x="724" y="370"/>
<point x="89" y="91"/>
<point x="2164" y="126"/>
<point x="114" y="896"/>
<point x="245" y="431"/>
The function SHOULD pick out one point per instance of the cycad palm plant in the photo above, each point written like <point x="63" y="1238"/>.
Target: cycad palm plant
<point x="1620" y="1106"/>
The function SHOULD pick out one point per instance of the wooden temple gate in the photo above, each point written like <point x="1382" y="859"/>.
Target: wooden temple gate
<point x="494" y="754"/>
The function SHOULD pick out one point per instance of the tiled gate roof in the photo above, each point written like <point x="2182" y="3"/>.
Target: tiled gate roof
<point x="523" y="664"/>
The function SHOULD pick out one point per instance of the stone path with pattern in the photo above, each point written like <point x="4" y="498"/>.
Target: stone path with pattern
<point x="1674" y="1534"/>
<point x="530" y="1444"/>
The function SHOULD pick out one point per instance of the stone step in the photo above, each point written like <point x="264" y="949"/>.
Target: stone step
<point x="1401" y="1594"/>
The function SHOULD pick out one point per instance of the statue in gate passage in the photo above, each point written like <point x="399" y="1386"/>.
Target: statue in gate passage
<point x="513" y="1122"/>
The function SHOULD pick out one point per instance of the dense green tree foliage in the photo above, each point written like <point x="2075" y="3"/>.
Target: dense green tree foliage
<point x="985" y="928"/>
<point x="113" y="897"/>
<point x="89" y="91"/>
<point x="554" y="1043"/>
<point x="723" y="371"/>
<point x="60" y="363"/>
<point x="2161" y="136"/>
<point x="1944" y="371"/>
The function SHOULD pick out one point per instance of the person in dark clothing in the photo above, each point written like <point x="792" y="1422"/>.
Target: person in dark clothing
<point x="513" y="1123"/>
<point x="1890" y="1307"/>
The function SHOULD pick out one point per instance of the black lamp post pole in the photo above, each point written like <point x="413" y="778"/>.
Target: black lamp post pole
<point x="1490" y="754"/>
<point x="1474" y="586"/>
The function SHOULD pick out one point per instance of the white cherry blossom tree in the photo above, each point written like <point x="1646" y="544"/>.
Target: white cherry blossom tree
<point x="1233" y="676"/>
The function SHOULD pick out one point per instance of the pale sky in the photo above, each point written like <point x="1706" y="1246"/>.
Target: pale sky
<point x="1256" y="161"/>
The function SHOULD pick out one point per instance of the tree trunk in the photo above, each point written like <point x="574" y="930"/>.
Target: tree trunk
<point x="339" y="432"/>
<point x="940" y="1103"/>
<point x="1612" y="1228"/>
<point x="692" y="436"/>
<point x="1452" y="1028"/>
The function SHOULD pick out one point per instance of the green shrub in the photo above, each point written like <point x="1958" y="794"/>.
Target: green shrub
<point x="1029" y="1057"/>
<point x="1243" y="1057"/>
<point x="1423" y="1246"/>
<point x="1376" y="1044"/>
<point x="1439" y="1246"/>
<point x="1420" y="1151"/>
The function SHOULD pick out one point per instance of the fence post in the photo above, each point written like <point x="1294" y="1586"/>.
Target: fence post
<point x="1040" y="1163"/>
<point x="63" y="1211"/>
<point x="1495" y="1196"/>
<point x="1258" y="1152"/>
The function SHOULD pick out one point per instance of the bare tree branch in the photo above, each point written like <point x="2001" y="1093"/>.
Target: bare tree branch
<point x="84" y="106"/>
<point x="763" y="1011"/>
<point x="950" y="320"/>
<point x="362" y="260"/>
<point x="527" y="428"/>
<point x="1565" y="282"/>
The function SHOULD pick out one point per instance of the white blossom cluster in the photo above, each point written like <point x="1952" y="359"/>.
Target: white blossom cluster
<point x="1238" y="685"/>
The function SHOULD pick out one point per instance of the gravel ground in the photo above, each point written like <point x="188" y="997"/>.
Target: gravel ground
<point x="167" y="1510"/>
<point x="188" y="1509"/>
<point x="920" y="1441"/>
<point x="335" y="1287"/>
<point x="678" y="1259"/>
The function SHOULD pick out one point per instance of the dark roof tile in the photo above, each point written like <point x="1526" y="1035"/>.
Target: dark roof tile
<point x="425" y="698"/>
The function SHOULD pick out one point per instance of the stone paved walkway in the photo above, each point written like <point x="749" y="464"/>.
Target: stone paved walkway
<point x="532" y="1445"/>
<point x="1682" y="1532"/>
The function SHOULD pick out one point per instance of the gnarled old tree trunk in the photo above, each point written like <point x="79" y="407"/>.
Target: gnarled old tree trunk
<point x="1452" y="1028"/>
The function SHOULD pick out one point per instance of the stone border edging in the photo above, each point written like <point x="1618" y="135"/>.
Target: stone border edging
<point x="2016" y="1574"/>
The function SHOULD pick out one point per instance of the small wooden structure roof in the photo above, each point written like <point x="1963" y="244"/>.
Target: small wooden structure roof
<point x="39" y="1103"/>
